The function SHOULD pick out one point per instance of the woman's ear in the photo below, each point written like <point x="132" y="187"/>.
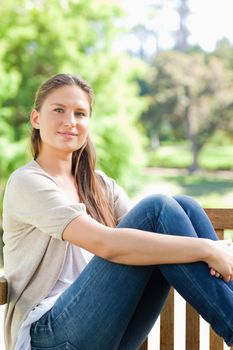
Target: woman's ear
<point x="35" y="119"/>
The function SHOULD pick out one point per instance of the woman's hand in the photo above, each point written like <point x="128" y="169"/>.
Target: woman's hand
<point x="221" y="261"/>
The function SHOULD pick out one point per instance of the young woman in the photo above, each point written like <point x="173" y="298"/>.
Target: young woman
<point x="84" y="271"/>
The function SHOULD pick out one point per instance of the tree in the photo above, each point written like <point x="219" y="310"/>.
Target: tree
<point x="193" y="94"/>
<point x="224" y="50"/>
<point x="41" y="38"/>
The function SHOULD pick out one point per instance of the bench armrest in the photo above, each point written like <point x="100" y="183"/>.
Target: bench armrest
<point x="3" y="290"/>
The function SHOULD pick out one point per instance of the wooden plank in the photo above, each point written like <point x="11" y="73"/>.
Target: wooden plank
<point x="144" y="345"/>
<point x="216" y="343"/>
<point x="221" y="218"/>
<point x="167" y="324"/>
<point x="3" y="290"/>
<point x="220" y="233"/>
<point x="192" y="339"/>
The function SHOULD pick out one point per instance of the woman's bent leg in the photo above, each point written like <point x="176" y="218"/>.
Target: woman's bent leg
<point x="198" y="217"/>
<point x="194" y="281"/>
<point x="94" y="312"/>
<point x="211" y="297"/>
<point x="97" y="310"/>
<point x="147" y="311"/>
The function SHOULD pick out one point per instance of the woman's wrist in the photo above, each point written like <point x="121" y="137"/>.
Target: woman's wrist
<point x="208" y="249"/>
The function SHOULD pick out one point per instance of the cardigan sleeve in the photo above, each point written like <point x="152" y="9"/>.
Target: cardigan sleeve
<point x="33" y="200"/>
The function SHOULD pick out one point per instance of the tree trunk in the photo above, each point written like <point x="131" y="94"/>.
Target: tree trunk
<point x="192" y="125"/>
<point x="195" y="155"/>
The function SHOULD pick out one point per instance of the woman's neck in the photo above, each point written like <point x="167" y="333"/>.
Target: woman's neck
<point x="59" y="168"/>
<point x="56" y="166"/>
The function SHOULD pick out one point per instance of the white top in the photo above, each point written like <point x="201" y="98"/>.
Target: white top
<point x="75" y="261"/>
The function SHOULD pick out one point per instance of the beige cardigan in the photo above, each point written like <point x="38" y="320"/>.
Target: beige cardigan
<point x="35" y="213"/>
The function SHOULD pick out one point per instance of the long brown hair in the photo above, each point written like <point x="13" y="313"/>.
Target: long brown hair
<point x="89" y="183"/>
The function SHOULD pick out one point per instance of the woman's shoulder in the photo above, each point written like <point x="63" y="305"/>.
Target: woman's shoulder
<point x="112" y="187"/>
<point x="108" y="181"/>
<point x="120" y="201"/>
<point x="102" y="175"/>
<point x="30" y="173"/>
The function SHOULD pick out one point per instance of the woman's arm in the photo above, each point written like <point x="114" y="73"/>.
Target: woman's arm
<point x="137" y="247"/>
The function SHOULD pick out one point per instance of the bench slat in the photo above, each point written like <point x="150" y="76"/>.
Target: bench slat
<point x="167" y="323"/>
<point x="220" y="233"/>
<point x="192" y="341"/>
<point x="216" y="343"/>
<point x="221" y="218"/>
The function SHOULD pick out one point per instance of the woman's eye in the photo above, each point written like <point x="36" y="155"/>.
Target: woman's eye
<point x="59" y="110"/>
<point x="80" y="114"/>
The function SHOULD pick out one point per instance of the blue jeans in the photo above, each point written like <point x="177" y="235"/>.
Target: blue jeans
<point x="114" y="306"/>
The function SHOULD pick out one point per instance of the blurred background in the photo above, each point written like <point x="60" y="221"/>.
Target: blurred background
<point x="162" y="75"/>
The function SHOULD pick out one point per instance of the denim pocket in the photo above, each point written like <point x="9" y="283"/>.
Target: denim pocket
<point x="64" y="346"/>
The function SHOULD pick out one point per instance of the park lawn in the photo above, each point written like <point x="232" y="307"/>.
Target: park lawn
<point x="210" y="190"/>
<point x="213" y="190"/>
<point x="212" y="157"/>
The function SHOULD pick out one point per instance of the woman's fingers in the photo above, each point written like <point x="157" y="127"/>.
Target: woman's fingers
<point x="228" y="278"/>
<point x="212" y="271"/>
<point x="215" y="273"/>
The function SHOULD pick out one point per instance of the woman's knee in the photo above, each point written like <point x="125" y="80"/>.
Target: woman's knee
<point x="159" y="205"/>
<point x="156" y="200"/>
<point x="148" y="209"/>
<point x="188" y="203"/>
<point x="167" y="215"/>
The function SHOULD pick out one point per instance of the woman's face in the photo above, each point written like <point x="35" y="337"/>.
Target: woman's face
<point x="63" y="119"/>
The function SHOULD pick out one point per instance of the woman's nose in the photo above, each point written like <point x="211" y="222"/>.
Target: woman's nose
<point x="70" y="120"/>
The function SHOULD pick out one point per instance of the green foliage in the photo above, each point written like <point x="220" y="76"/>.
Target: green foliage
<point x="42" y="38"/>
<point x="224" y="51"/>
<point x="191" y="97"/>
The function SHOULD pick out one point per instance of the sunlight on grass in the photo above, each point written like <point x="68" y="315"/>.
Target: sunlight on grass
<point x="217" y="157"/>
<point x="209" y="191"/>
<point x="212" y="157"/>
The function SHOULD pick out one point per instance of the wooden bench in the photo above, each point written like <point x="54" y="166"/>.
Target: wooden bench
<point x="222" y="219"/>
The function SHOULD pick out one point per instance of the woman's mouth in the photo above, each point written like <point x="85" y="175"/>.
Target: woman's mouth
<point x="67" y="133"/>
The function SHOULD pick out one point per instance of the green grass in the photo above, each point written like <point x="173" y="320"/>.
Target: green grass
<point x="217" y="157"/>
<point x="213" y="190"/>
<point x="170" y="156"/>
<point x="209" y="190"/>
<point x="212" y="157"/>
